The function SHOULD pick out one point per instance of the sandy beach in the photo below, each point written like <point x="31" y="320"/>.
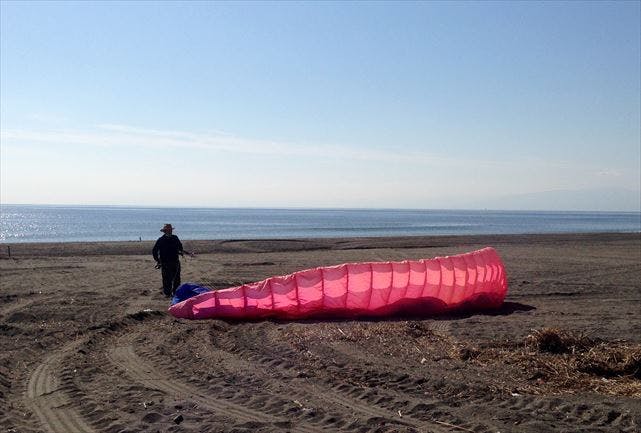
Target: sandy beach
<point x="87" y="345"/>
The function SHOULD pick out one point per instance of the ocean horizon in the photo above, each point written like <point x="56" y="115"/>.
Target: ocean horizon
<point x="83" y="223"/>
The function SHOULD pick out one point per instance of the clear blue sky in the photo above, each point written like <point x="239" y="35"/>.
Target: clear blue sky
<point x="421" y="105"/>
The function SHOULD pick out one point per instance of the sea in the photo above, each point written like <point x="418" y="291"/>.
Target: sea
<point x="37" y="223"/>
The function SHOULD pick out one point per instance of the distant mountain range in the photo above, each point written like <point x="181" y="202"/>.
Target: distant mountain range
<point x="602" y="199"/>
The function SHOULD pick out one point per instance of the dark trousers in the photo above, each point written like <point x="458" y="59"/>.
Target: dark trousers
<point x="170" y="277"/>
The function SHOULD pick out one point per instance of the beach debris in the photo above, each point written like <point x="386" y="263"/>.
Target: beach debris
<point x="178" y="419"/>
<point x="453" y="426"/>
<point x="467" y="353"/>
<point x="597" y="357"/>
<point x="303" y="408"/>
<point x="423" y="360"/>
<point x="553" y="340"/>
<point x="561" y="361"/>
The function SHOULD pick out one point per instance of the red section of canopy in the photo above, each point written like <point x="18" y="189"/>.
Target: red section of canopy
<point x="473" y="280"/>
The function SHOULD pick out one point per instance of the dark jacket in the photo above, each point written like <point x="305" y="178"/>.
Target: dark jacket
<point x="167" y="249"/>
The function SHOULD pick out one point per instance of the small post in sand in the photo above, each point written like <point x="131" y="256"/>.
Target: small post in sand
<point x="9" y="250"/>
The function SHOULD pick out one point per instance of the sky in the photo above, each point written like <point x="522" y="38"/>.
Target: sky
<point x="322" y="104"/>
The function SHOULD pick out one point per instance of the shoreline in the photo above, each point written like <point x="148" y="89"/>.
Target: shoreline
<point x="33" y="249"/>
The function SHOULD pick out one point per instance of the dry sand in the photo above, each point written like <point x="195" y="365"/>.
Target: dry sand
<point x="87" y="345"/>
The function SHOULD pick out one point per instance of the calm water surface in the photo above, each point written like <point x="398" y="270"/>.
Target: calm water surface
<point x="23" y="223"/>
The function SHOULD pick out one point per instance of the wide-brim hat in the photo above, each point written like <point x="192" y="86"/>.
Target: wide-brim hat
<point x="166" y="227"/>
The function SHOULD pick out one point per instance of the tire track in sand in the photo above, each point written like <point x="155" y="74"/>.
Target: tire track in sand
<point x="48" y="400"/>
<point x="47" y="397"/>
<point x="125" y="358"/>
<point x="344" y="395"/>
<point x="325" y="397"/>
<point x="18" y="305"/>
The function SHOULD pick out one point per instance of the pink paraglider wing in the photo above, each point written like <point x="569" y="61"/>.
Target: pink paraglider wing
<point x="474" y="280"/>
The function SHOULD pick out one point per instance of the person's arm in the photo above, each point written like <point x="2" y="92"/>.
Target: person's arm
<point x="155" y="250"/>
<point x="180" y="246"/>
<point x="181" y="250"/>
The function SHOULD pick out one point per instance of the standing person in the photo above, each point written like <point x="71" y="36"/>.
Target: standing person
<point x="167" y="252"/>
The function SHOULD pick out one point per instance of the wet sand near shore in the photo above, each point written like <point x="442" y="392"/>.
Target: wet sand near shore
<point x="86" y="344"/>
